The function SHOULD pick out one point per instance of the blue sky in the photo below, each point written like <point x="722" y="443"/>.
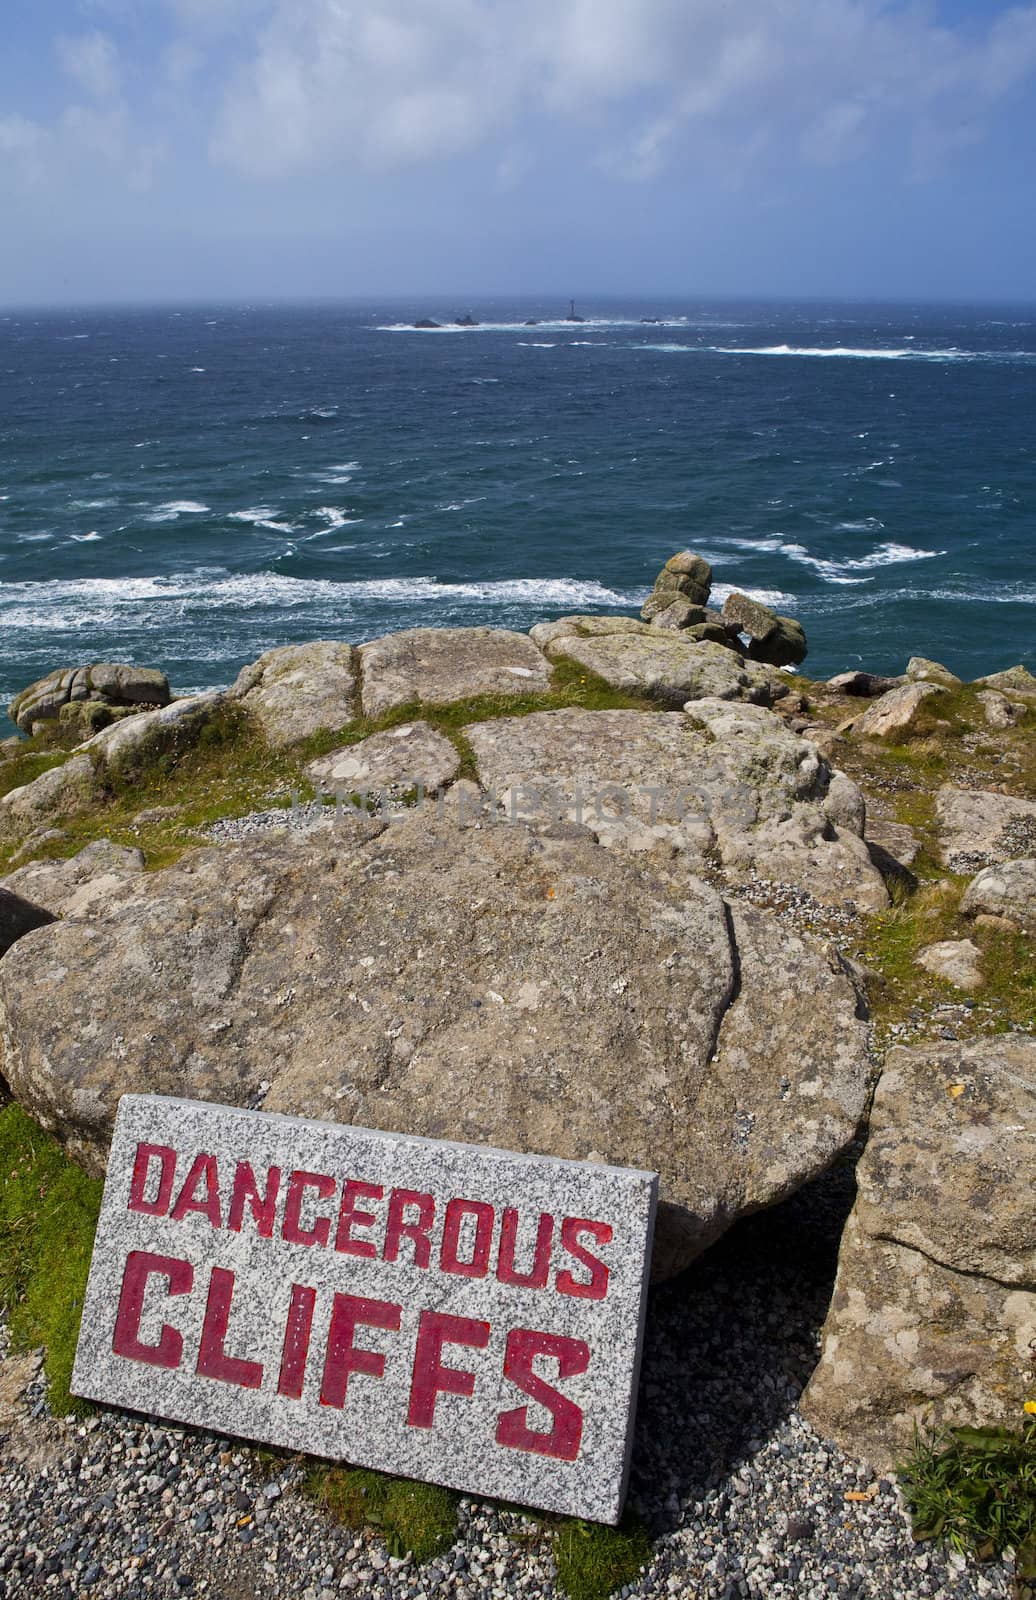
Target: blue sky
<point x="153" y="150"/>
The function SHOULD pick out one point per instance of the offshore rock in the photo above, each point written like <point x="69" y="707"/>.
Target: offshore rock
<point x="781" y="641"/>
<point x="684" y="576"/>
<point x="437" y="666"/>
<point x="933" y="1316"/>
<point x="108" y="682"/>
<point x="522" y="988"/>
<point x="300" y="689"/>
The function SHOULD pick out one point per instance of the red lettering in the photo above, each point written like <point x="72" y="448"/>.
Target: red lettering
<point x="140" y="1266"/>
<point x="512" y="1428"/>
<point x="456" y="1212"/>
<point x="597" y="1286"/>
<point x="417" y="1232"/>
<point x="296" y="1341"/>
<point x="291" y="1228"/>
<point x="430" y="1378"/>
<point x="343" y="1356"/>
<point x="537" y="1278"/>
<point x="141" y="1172"/>
<point x="213" y="1361"/>
<point x="349" y="1218"/>
<point x="208" y="1205"/>
<point x="246" y="1192"/>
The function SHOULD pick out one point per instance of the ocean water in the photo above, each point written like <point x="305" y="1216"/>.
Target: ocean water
<point x="187" y="488"/>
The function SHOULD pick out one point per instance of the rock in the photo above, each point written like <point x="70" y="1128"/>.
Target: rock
<point x="920" y="670"/>
<point x="299" y="690"/>
<point x="680" y="614"/>
<point x="16" y="1375"/>
<point x="956" y="960"/>
<point x="398" y="759"/>
<point x="980" y="828"/>
<point x="437" y="666"/>
<point x="542" y="633"/>
<point x="666" y="667"/>
<point x="1014" y="681"/>
<point x="18" y="916"/>
<point x="726" y="783"/>
<point x="34" y="842"/>
<point x="894" y="839"/>
<point x="1000" y="712"/>
<point x="113" y="683"/>
<point x="933" y="1315"/>
<point x="895" y="712"/>
<point x="101" y="873"/>
<point x="126" y="745"/>
<point x="779" y="640"/>
<point x="684" y="576"/>
<point x="9" y="748"/>
<point x="502" y="985"/>
<point x="863" y="685"/>
<point x="58" y="792"/>
<point x="1007" y="890"/>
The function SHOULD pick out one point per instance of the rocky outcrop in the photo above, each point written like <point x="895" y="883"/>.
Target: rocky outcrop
<point x="894" y="713"/>
<point x="1008" y="890"/>
<point x="920" y="670"/>
<point x="581" y="627"/>
<point x="105" y="682"/>
<point x="398" y="759"/>
<point x="780" y="641"/>
<point x="667" y="667"/>
<point x="100" y="874"/>
<point x="862" y="685"/>
<point x="933" y="1318"/>
<point x="685" y="576"/>
<point x="980" y="828"/>
<point x="504" y="985"/>
<point x="18" y="916"/>
<point x="436" y="666"/>
<point x="1017" y="682"/>
<point x="724" y="784"/>
<point x="299" y="690"/>
<point x="1000" y="711"/>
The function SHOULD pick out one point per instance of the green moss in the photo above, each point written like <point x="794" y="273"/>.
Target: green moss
<point x="594" y="1561"/>
<point x="415" y="1518"/>
<point x="24" y="767"/>
<point x="48" y="1214"/>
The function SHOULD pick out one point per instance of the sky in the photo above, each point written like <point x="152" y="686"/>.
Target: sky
<point x="229" y="150"/>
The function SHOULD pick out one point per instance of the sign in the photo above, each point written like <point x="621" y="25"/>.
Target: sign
<point x="439" y="1311"/>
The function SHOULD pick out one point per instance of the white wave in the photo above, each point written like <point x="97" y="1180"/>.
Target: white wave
<point x="33" y="538"/>
<point x="85" y="538"/>
<point x="344" y="466"/>
<point x="277" y="527"/>
<point x="332" y="477"/>
<point x="176" y="508"/>
<point x="252" y="514"/>
<point x="536" y="344"/>
<point x="86" y="505"/>
<point x="549" y="324"/>
<point x="335" y="519"/>
<point x="866" y="525"/>
<point x="197" y="369"/>
<point x="766" y="597"/>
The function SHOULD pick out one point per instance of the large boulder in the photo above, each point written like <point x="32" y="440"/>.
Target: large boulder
<point x="100" y="874"/>
<point x="1007" y="890"/>
<point x="980" y="828"/>
<point x="779" y="640"/>
<point x="543" y="633"/>
<point x="113" y="683"/>
<point x="666" y="666"/>
<point x="895" y="713"/>
<point x="862" y="685"/>
<point x="920" y="670"/>
<point x="299" y="690"/>
<point x="685" y="576"/>
<point x="933" y="1317"/>
<point x="436" y="666"/>
<point x="503" y="985"/>
<point x="1014" y="681"/>
<point x="724" y="784"/>
<point x="398" y="759"/>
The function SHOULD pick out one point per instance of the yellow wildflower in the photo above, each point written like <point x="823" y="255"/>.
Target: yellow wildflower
<point x="1030" y="1407"/>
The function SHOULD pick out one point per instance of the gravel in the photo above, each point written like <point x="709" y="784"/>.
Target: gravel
<point x="741" y="1497"/>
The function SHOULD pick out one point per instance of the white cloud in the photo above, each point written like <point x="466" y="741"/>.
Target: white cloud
<point x="92" y="61"/>
<point x="383" y="83"/>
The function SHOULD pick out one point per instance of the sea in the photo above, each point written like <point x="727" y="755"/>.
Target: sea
<point x="187" y="487"/>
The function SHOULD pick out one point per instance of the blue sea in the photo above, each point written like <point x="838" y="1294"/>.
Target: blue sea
<point x="189" y="487"/>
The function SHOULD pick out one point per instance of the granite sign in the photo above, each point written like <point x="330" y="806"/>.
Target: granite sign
<point x="441" y="1311"/>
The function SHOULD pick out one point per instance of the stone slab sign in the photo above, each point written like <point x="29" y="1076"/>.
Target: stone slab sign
<point x="441" y="1311"/>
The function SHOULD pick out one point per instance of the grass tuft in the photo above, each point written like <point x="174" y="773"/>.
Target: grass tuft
<point x="593" y="1561"/>
<point x="48" y="1214"/>
<point x="418" y="1519"/>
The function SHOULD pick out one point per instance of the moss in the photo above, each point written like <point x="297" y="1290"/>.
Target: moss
<point x="594" y="1561"/>
<point x="32" y="763"/>
<point x="48" y="1214"/>
<point x="415" y="1518"/>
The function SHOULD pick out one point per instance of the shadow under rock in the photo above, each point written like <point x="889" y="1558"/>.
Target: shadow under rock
<point x="731" y="1343"/>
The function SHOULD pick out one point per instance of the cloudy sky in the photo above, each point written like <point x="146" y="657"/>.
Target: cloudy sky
<point x="232" y="149"/>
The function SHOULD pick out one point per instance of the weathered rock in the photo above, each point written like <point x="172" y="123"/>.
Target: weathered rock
<point x="779" y="640"/>
<point x="933" y="1316"/>
<point x="59" y="792"/>
<point x="18" y="916"/>
<point x="896" y="712"/>
<point x="680" y="614"/>
<point x="894" y="839"/>
<point x="920" y="670"/>
<point x="542" y="633"/>
<point x="399" y="758"/>
<point x="980" y="828"/>
<point x="1013" y="681"/>
<point x="100" y="874"/>
<point x="1007" y="890"/>
<point x="862" y="685"/>
<point x="114" y="683"/>
<point x="436" y="666"/>
<point x="958" y="961"/>
<point x="725" y="783"/>
<point x="299" y="690"/>
<point x="666" y="667"/>
<point x="684" y="576"/>
<point x="524" y="989"/>
<point x="127" y="744"/>
<point x="1000" y="712"/>
<point x="9" y="748"/>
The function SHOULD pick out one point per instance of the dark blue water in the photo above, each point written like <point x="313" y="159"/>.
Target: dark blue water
<point x="188" y="488"/>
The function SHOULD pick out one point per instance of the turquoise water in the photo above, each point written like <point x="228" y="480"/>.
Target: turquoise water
<point x="188" y="488"/>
